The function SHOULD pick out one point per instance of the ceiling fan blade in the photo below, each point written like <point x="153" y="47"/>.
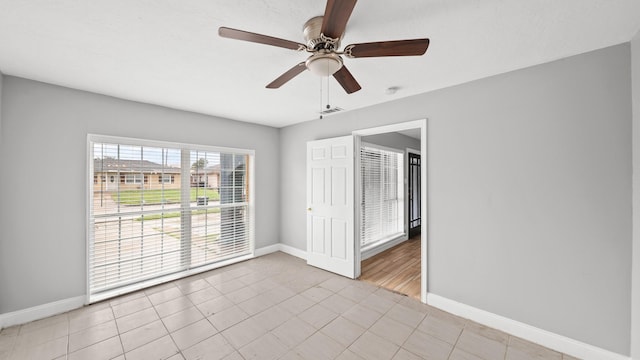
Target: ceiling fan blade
<point x="336" y="15"/>
<point x="346" y="80"/>
<point x="387" y="48"/>
<point x="290" y="74"/>
<point x="259" y="38"/>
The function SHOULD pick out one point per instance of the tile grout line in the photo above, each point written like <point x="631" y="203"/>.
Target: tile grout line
<point x="381" y="305"/>
<point x="163" y="325"/>
<point x="458" y="339"/>
<point x="118" y="328"/>
<point x="66" y="354"/>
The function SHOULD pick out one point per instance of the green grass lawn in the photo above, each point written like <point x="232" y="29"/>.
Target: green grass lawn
<point x="167" y="196"/>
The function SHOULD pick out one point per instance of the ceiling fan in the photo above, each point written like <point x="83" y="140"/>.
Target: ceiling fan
<point x="323" y="35"/>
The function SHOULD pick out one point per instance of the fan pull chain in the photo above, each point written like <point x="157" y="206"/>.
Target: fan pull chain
<point x="328" y="106"/>
<point x="320" y="98"/>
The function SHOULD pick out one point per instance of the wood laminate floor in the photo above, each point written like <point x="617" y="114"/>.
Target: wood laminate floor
<point x="396" y="269"/>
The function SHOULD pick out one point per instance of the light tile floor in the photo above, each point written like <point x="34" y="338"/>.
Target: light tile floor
<point x="272" y="307"/>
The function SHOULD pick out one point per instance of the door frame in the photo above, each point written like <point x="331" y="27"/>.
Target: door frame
<point x="408" y="125"/>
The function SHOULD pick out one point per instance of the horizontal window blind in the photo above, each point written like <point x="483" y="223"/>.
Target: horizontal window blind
<point x="187" y="208"/>
<point x="382" y="207"/>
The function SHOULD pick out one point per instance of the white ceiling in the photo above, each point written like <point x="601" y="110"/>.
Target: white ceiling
<point x="167" y="52"/>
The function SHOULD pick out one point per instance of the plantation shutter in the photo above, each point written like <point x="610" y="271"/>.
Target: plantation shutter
<point x="142" y="232"/>
<point x="381" y="210"/>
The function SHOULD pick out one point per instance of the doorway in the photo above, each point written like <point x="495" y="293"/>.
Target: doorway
<point x="334" y="189"/>
<point x="393" y="260"/>
<point x="402" y="266"/>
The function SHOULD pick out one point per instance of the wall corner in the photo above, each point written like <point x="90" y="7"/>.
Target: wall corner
<point x="635" y="260"/>
<point x="1" y="81"/>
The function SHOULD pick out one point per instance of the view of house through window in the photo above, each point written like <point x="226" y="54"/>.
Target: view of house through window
<point x="382" y="206"/>
<point x="174" y="209"/>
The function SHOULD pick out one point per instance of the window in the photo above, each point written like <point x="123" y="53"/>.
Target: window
<point x="143" y="235"/>
<point x="382" y="207"/>
<point x="133" y="179"/>
<point x="166" y="179"/>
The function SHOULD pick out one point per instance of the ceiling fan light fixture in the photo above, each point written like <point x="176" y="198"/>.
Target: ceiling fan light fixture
<point x="324" y="64"/>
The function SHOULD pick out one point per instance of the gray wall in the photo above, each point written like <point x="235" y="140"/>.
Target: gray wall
<point x="43" y="182"/>
<point x="529" y="177"/>
<point x="393" y="140"/>
<point x="635" y="300"/>
<point x="1" y="79"/>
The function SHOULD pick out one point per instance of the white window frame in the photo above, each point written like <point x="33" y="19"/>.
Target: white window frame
<point x="166" y="179"/>
<point x="96" y="138"/>
<point x="133" y="178"/>
<point x="374" y="247"/>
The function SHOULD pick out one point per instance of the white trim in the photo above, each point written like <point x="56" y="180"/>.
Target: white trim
<point x="536" y="335"/>
<point x="88" y="216"/>
<point x="265" y="250"/>
<point x="40" y="311"/>
<point x="293" y="251"/>
<point x="407" y="125"/>
<point x="357" y="198"/>
<point x="161" y="143"/>
<point x="386" y="245"/>
<point x="251" y="178"/>
<point x="424" y="215"/>
<point x="58" y="307"/>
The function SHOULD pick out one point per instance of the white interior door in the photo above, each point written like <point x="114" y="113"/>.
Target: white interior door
<point x="330" y="213"/>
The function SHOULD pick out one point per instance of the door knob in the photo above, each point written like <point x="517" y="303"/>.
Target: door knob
<point x="308" y="209"/>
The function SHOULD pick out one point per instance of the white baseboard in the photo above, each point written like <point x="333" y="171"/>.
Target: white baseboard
<point x="542" y="337"/>
<point x="266" y="250"/>
<point x="539" y="336"/>
<point x="41" y="311"/>
<point x="58" y="307"/>
<point x="293" y="251"/>
<point x="281" y="247"/>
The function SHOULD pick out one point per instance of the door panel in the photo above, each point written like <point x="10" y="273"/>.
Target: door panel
<point x="318" y="235"/>
<point x="317" y="184"/>
<point x="338" y="186"/>
<point x="330" y="227"/>
<point x="339" y="239"/>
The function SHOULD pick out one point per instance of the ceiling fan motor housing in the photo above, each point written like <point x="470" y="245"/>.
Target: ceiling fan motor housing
<point x="316" y="40"/>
